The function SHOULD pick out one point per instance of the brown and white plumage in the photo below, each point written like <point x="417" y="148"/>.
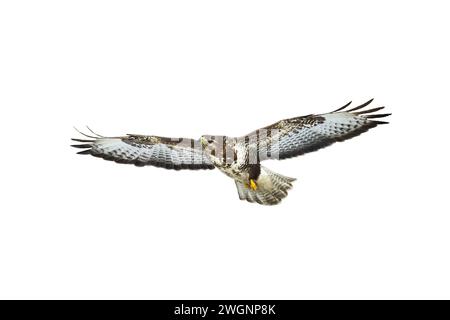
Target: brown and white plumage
<point x="296" y="136"/>
<point x="140" y="150"/>
<point x="240" y="157"/>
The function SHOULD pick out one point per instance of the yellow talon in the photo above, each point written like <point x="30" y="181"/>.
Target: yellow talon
<point x="253" y="185"/>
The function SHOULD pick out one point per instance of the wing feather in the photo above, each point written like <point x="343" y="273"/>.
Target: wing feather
<point x="140" y="150"/>
<point x="296" y="136"/>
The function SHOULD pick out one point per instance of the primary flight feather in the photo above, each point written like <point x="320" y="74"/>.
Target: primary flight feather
<point x="240" y="157"/>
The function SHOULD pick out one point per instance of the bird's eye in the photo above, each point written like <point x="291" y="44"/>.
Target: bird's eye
<point x="210" y="140"/>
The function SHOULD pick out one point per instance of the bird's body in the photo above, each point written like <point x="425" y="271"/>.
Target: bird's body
<point x="228" y="155"/>
<point x="240" y="157"/>
<point x="255" y="183"/>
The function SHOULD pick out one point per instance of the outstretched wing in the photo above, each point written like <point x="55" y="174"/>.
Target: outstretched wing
<point x="293" y="137"/>
<point x="140" y="150"/>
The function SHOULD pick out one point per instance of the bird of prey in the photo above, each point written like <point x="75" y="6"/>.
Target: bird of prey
<point x="240" y="157"/>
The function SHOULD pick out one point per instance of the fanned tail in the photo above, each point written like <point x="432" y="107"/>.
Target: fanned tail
<point x="271" y="188"/>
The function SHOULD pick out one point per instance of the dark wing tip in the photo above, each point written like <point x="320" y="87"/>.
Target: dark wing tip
<point x="81" y="146"/>
<point x="343" y="107"/>
<point x="361" y="106"/>
<point x="88" y="151"/>
<point x="81" y="140"/>
<point x="84" y="134"/>
<point x="95" y="134"/>
<point x="369" y="110"/>
<point x="380" y="115"/>
<point x="380" y="122"/>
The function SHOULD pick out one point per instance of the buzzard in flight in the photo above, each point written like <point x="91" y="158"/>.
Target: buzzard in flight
<point x="240" y="157"/>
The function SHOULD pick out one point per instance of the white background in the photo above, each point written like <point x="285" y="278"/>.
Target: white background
<point x="368" y="218"/>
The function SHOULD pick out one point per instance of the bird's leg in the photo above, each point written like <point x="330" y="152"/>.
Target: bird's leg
<point x="253" y="174"/>
<point x="253" y="185"/>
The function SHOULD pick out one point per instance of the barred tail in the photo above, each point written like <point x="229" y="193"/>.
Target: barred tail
<point x="271" y="188"/>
